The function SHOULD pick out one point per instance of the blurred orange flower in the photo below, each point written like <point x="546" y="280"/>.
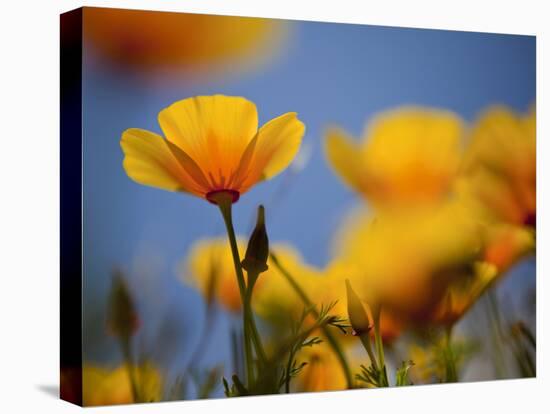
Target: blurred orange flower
<point x="212" y="145"/>
<point x="277" y="301"/>
<point x="322" y="372"/>
<point x="405" y="262"/>
<point x="209" y="267"/>
<point x="500" y="165"/>
<point x="189" y="42"/>
<point x="104" y="386"/>
<point x="409" y="155"/>
<point x="499" y="173"/>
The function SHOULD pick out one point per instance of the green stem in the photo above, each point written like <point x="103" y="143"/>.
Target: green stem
<point x="128" y="358"/>
<point x="250" y="331"/>
<point x="288" y="367"/>
<point x="365" y="340"/>
<point x="225" y="208"/>
<point x="256" y="340"/>
<point x="451" y="374"/>
<point x="330" y="338"/>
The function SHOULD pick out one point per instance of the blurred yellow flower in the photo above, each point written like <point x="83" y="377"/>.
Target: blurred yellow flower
<point x="103" y="386"/>
<point x="322" y="372"/>
<point x="212" y="145"/>
<point x="409" y="155"/>
<point x="160" y="40"/>
<point x="277" y="301"/>
<point x="405" y="261"/>
<point x="500" y="165"/>
<point x="499" y="173"/>
<point x="463" y="291"/>
<point x="209" y="267"/>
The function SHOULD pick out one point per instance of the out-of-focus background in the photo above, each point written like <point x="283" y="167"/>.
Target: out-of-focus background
<point x="328" y="73"/>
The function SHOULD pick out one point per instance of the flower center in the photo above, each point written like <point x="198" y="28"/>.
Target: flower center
<point x="217" y="196"/>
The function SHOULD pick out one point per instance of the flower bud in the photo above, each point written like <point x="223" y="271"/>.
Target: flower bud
<point x="122" y="316"/>
<point x="358" y="317"/>
<point x="257" y="251"/>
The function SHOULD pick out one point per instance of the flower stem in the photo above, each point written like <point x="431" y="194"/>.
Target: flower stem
<point x="128" y="358"/>
<point x="451" y="374"/>
<point x="330" y="338"/>
<point x="256" y="340"/>
<point x="250" y="332"/>
<point x="365" y="340"/>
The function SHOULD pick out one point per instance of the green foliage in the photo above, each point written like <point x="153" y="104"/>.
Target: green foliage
<point x="284" y="364"/>
<point x="402" y="374"/>
<point x="523" y="345"/>
<point x="371" y="376"/>
<point x="377" y="378"/>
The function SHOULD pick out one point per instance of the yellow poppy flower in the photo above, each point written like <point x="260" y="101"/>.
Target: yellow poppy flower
<point x="209" y="267"/>
<point x="500" y="165"/>
<point x="405" y="261"/>
<point x="323" y="371"/>
<point x="103" y="386"/>
<point x="409" y="155"/>
<point x="161" y="40"/>
<point x="212" y="145"/>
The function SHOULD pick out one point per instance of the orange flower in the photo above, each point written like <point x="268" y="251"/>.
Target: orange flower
<point x="104" y="386"/>
<point x="322" y="372"/>
<point x="161" y="40"/>
<point x="409" y="155"/>
<point x="499" y="174"/>
<point x="500" y="165"/>
<point x="212" y="146"/>
<point x="209" y="267"/>
<point x="404" y="262"/>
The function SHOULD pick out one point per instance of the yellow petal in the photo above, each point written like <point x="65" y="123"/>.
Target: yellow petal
<point x="149" y="161"/>
<point x="504" y="142"/>
<point x="102" y="386"/>
<point x="322" y="372"/>
<point x="500" y="162"/>
<point x="277" y="144"/>
<point x="213" y="131"/>
<point x="412" y="155"/>
<point x="430" y="242"/>
<point x="343" y="155"/>
<point x="209" y="267"/>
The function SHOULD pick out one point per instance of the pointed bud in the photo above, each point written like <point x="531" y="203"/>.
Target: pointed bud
<point x="358" y="317"/>
<point x="122" y="316"/>
<point x="257" y="252"/>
